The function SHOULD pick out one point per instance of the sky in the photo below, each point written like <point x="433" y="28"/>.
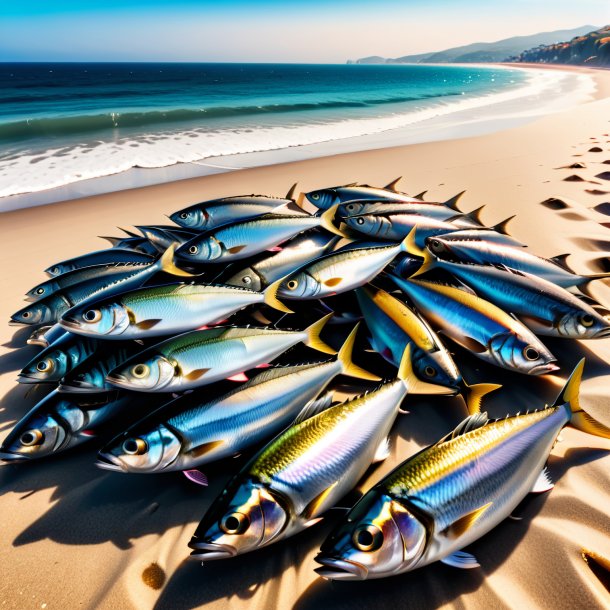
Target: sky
<point x="271" y="30"/>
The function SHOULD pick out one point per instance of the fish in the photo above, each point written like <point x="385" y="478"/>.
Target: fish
<point x="299" y="251"/>
<point x="90" y="375"/>
<point x="194" y="429"/>
<point x="55" y="361"/>
<point x="393" y="325"/>
<point x="480" y="327"/>
<point x="450" y="494"/>
<point x="200" y="357"/>
<point x="45" y="335"/>
<point x="436" y="211"/>
<point x="290" y="483"/>
<point x="163" y="236"/>
<point x="248" y="237"/>
<point x="544" y="307"/>
<point x="135" y="242"/>
<point x="489" y="253"/>
<point x="63" y="421"/>
<point x="340" y="271"/>
<point x="212" y="214"/>
<point x="49" y="309"/>
<point x="99" y="257"/>
<point x="169" y="309"/>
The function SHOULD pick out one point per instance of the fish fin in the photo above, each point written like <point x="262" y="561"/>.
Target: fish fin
<point x="313" y="521"/>
<point x="130" y="233"/>
<point x="413" y="383"/>
<point x="461" y="560"/>
<point x="147" y="324"/>
<point x="313" y="407"/>
<point x="196" y="374"/>
<point x="515" y="518"/>
<point x="167" y="264"/>
<point x="238" y="377"/>
<point x="420" y="195"/>
<point x="451" y="203"/>
<point x="502" y="227"/>
<point x="131" y="316"/>
<point x="463" y="524"/>
<point x="270" y="297"/>
<point x="113" y="240"/>
<point x="428" y="263"/>
<point x="543" y="482"/>
<point x="235" y="249"/>
<point x="333" y="281"/>
<point x="472" y="422"/>
<point x="313" y="335"/>
<point x="409" y="244"/>
<point x="196" y="476"/>
<point x="534" y="321"/>
<point x="392" y="186"/>
<point x="326" y="220"/>
<point x="345" y="358"/>
<point x="475" y="216"/>
<point x="204" y="448"/>
<point x="383" y="451"/>
<point x="472" y="345"/>
<point x="300" y="201"/>
<point x="473" y="394"/>
<point x="291" y="191"/>
<point x="561" y="261"/>
<point x="138" y="341"/>
<point x="315" y="505"/>
<point x="578" y="417"/>
<point x="594" y="276"/>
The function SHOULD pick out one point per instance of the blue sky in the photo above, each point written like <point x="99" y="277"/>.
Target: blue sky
<point x="272" y="30"/>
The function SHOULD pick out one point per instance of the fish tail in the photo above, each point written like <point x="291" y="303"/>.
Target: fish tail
<point x="327" y="218"/>
<point x="577" y="416"/>
<point x="270" y="297"/>
<point x="473" y="394"/>
<point x="415" y="385"/>
<point x="427" y="264"/>
<point x="345" y="358"/>
<point x="409" y="244"/>
<point x="167" y="264"/>
<point x="313" y="335"/>
<point x="595" y="276"/>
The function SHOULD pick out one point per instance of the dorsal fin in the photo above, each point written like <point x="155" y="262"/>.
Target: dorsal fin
<point x="421" y="195"/>
<point x="392" y="185"/>
<point x="130" y="233"/>
<point x="290" y="193"/>
<point x="502" y="227"/>
<point x="561" y="260"/>
<point x="472" y="422"/>
<point x="475" y="215"/>
<point x="451" y="203"/>
<point x="313" y="407"/>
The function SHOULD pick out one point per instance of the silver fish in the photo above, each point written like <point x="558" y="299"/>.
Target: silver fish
<point x="99" y="257"/>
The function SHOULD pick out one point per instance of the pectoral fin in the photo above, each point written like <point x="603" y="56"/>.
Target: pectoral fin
<point x="535" y="321"/>
<point x="200" y="450"/>
<point x="459" y="559"/>
<point x="463" y="524"/>
<point x="196" y="374"/>
<point x="147" y="324"/>
<point x="543" y="482"/>
<point x="333" y="281"/>
<point x="314" y="506"/>
<point x="235" y="249"/>
<point x="471" y="344"/>
<point x="383" y="451"/>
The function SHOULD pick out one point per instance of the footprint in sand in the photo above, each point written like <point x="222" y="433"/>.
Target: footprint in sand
<point x="604" y="176"/>
<point x="596" y="192"/>
<point x="606" y="162"/>
<point x="574" y="178"/>
<point x="603" y="208"/>
<point x="154" y="576"/>
<point x="575" y="165"/>
<point x="596" y="149"/>
<point x="573" y="216"/>
<point x="554" y="204"/>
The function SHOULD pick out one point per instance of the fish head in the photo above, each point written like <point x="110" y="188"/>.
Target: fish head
<point x="87" y="377"/>
<point x="192" y="217"/>
<point x="352" y="208"/>
<point x="200" y="249"/>
<point x="246" y="516"/>
<point x="49" y="365"/>
<point x="93" y="319"/>
<point x="369" y="224"/>
<point x="300" y="285"/>
<point x="42" y="290"/>
<point x="151" y="450"/>
<point x="524" y="353"/>
<point x="247" y="278"/>
<point x="58" y="269"/>
<point x="35" y="313"/>
<point x="377" y="538"/>
<point x="440" y="247"/>
<point x="38" y="434"/>
<point x="583" y="325"/>
<point x="323" y="199"/>
<point x="435" y="366"/>
<point x="148" y="372"/>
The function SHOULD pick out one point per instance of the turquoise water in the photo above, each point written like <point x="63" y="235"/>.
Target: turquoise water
<point x="61" y="123"/>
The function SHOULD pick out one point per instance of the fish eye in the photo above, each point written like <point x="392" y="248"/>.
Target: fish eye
<point x="45" y="366"/>
<point x="139" y="371"/>
<point x="292" y="284"/>
<point x="55" y="270"/>
<point x="92" y="315"/>
<point x="234" y="523"/>
<point x="246" y="279"/>
<point x="435" y="244"/>
<point x="531" y="353"/>
<point x="367" y="538"/>
<point x="315" y="196"/>
<point x="135" y="446"/>
<point x="193" y="249"/>
<point x="184" y="215"/>
<point x="430" y="371"/>
<point x="586" y="320"/>
<point x="351" y="207"/>
<point x="26" y="314"/>
<point x="40" y="291"/>
<point x="31" y="437"/>
<point x="360" y="221"/>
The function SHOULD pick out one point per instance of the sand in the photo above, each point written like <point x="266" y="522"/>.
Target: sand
<point x="74" y="536"/>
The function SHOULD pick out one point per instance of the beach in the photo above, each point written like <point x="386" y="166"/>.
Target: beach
<point x="75" y="536"/>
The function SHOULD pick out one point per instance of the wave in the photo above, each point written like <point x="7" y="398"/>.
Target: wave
<point x="83" y="124"/>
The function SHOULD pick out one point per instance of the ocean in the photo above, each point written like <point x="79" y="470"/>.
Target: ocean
<point x="68" y="122"/>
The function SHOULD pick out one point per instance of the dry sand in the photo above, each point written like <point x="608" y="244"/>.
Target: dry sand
<point x="73" y="536"/>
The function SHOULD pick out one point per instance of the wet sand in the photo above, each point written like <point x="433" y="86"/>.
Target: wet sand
<point x="75" y="536"/>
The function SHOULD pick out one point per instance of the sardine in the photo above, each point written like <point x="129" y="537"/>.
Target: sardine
<point x="99" y="257"/>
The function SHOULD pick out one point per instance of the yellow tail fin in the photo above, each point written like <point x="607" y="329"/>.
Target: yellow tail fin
<point x="167" y="264"/>
<point x="345" y="358"/>
<point x="413" y="383"/>
<point x="313" y="335"/>
<point x="473" y="394"/>
<point x="429" y="260"/>
<point x="578" y="417"/>
<point x="327" y="218"/>
<point x="409" y="244"/>
<point x="270" y="297"/>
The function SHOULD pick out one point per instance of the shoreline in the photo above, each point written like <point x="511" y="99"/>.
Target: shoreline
<point x="478" y="115"/>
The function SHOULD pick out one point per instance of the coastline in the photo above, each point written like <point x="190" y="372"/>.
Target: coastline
<point x="469" y="117"/>
<point x="64" y="512"/>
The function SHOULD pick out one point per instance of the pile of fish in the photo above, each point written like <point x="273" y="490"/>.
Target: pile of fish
<point x="242" y="327"/>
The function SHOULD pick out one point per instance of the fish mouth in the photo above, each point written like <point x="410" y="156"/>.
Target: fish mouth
<point x="119" y="380"/>
<point x="340" y="569"/>
<point x="107" y="461"/>
<point x="12" y="322"/>
<point x="8" y="456"/>
<point x="69" y="323"/>
<point x="602" y="334"/>
<point x="25" y="378"/>
<point x="541" y="369"/>
<point x="207" y="551"/>
<point x="78" y="387"/>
